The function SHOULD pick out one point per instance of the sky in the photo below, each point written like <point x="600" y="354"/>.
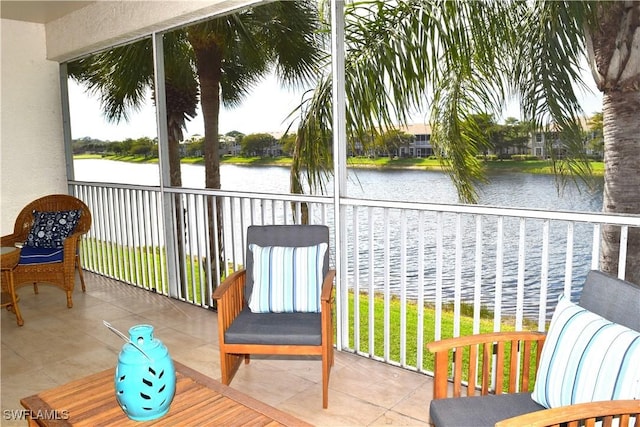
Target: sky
<point x="265" y="110"/>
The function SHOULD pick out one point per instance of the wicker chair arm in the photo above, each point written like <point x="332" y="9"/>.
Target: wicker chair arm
<point x="229" y="297"/>
<point x="520" y="346"/>
<point x="70" y="248"/>
<point x="580" y="414"/>
<point x="11" y="239"/>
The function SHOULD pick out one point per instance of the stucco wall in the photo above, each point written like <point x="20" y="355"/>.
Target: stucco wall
<point x="31" y="138"/>
<point x="31" y="141"/>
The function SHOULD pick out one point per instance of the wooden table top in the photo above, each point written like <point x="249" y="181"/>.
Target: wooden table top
<point x="199" y="401"/>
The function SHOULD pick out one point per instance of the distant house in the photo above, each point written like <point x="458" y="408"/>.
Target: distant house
<point x="421" y="146"/>
<point x="540" y="143"/>
<point x="229" y="146"/>
<point x="275" y="150"/>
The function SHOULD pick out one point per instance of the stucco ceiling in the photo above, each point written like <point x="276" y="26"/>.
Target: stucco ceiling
<point x="39" y="11"/>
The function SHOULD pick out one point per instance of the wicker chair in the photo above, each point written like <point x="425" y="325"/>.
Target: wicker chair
<point x="60" y="274"/>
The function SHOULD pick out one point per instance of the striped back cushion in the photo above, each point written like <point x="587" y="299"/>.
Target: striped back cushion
<point x="287" y="279"/>
<point x="586" y="358"/>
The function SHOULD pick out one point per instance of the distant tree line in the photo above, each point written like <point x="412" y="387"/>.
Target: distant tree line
<point x="231" y="143"/>
<point x="504" y="141"/>
<point x="144" y="146"/>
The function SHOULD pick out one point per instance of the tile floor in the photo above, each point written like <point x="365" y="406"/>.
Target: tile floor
<point x="57" y="345"/>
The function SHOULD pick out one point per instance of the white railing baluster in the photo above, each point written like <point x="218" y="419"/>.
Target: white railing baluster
<point x="568" y="264"/>
<point x="595" y="247"/>
<point x="497" y="304"/>
<point x="387" y="291"/>
<point x="439" y="269"/>
<point x="477" y="283"/>
<point x="622" y="265"/>
<point x="521" y="267"/>
<point x="457" y="287"/>
<point x="403" y="289"/>
<point x="420" y="334"/>
<point x="131" y="244"/>
<point x="117" y="204"/>
<point x="216" y="238"/>
<point x="100" y="223"/>
<point x="162" y="253"/>
<point x="356" y="279"/>
<point x="371" y="302"/>
<point x="544" y="277"/>
<point x="147" y="219"/>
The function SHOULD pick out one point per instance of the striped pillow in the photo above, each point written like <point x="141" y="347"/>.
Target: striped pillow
<point x="586" y="358"/>
<point x="287" y="279"/>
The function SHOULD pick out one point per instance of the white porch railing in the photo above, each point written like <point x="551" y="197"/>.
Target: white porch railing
<point x="415" y="271"/>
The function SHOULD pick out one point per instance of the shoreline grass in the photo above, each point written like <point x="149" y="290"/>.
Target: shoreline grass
<point x="542" y="167"/>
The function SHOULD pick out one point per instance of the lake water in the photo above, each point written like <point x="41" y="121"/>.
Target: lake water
<point x="507" y="189"/>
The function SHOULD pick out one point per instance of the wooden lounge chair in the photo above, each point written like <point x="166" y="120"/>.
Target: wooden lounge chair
<point x="243" y="332"/>
<point x="518" y="354"/>
<point x="52" y="266"/>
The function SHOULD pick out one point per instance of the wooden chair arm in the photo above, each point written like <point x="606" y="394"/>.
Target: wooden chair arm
<point x="451" y="343"/>
<point x="588" y="413"/>
<point x="521" y="350"/>
<point x="230" y="299"/>
<point x="327" y="286"/>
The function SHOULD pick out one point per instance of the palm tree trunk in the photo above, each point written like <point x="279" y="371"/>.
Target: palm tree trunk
<point x="209" y="66"/>
<point x="621" y="177"/>
<point x="175" y="179"/>
<point x="295" y="184"/>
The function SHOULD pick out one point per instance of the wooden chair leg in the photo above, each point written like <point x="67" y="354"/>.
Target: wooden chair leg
<point x="229" y="364"/>
<point x="35" y="288"/>
<point x="333" y="357"/>
<point x="326" y="369"/>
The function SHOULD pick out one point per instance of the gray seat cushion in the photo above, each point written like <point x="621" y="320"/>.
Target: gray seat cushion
<point x="275" y="328"/>
<point x="481" y="411"/>
<point x="614" y="299"/>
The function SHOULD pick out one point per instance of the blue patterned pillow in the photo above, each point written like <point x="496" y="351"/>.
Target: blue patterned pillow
<point x="287" y="279"/>
<point x="51" y="228"/>
<point x="586" y="358"/>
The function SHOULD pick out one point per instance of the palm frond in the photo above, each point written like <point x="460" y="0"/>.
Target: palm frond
<point x="547" y="71"/>
<point x="120" y="77"/>
<point x="462" y="59"/>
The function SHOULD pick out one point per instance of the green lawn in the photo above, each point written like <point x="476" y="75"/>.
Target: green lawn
<point x="141" y="265"/>
<point x="412" y="326"/>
